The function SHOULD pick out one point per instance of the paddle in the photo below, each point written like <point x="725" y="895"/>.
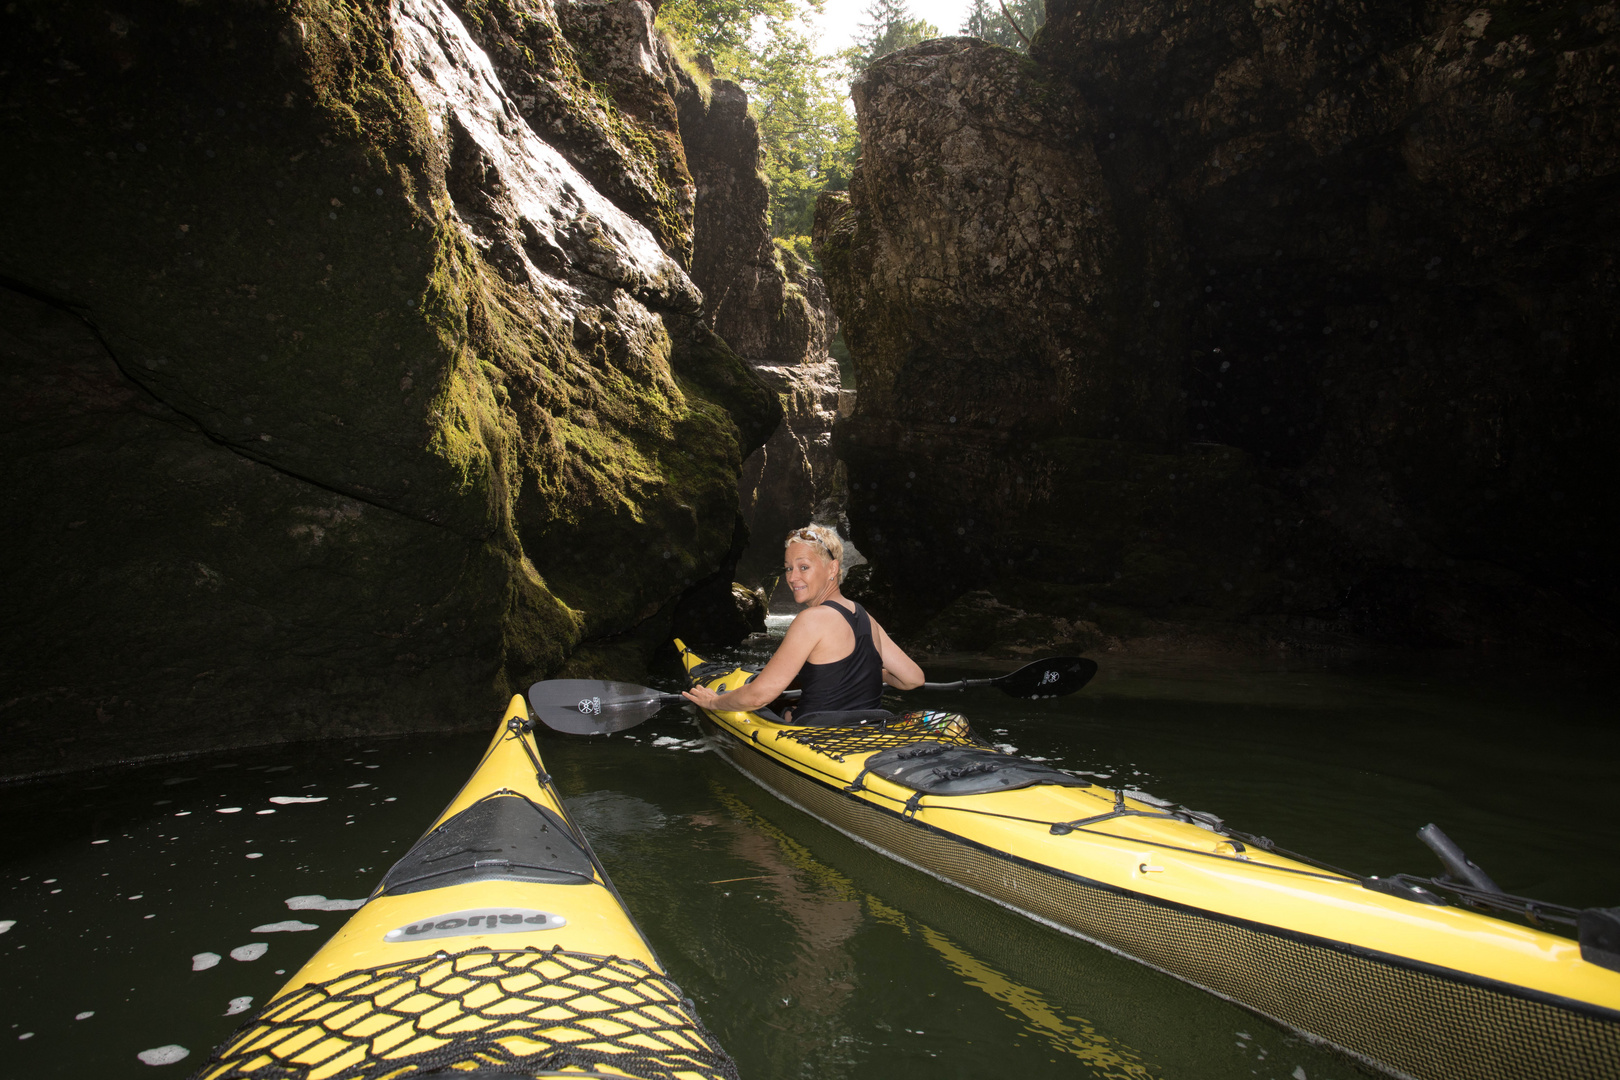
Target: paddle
<point x="590" y="707"/>
<point x="1056" y="676"/>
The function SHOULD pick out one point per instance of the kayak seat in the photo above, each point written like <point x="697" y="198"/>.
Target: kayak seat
<point x="843" y="718"/>
<point x="503" y="837"/>
<point x="938" y="769"/>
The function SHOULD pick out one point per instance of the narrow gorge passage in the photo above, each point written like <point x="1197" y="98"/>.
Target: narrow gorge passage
<point x="367" y="361"/>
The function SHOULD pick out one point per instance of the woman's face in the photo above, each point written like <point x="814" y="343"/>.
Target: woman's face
<point x="808" y="572"/>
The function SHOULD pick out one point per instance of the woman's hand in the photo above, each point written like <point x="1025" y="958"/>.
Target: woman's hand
<point x="762" y="689"/>
<point x="704" y="698"/>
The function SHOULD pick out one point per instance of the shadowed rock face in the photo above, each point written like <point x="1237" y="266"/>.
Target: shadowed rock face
<point x="340" y="399"/>
<point x="773" y="310"/>
<point x="1288" y="320"/>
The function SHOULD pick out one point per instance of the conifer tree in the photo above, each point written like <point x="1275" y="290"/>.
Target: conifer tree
<point x="986" y="20"/>
<point x="889" y="27"/>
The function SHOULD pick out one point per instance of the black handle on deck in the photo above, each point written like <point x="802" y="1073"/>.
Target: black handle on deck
<point x="1458" y="865"/>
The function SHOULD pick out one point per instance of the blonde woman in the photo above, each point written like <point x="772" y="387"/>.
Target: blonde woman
<point x="839" y="653"/>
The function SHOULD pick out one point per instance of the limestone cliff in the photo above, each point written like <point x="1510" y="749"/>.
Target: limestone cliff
<point x="354" y="377"/>
<point x="773" y="309"/>
<point x="1276" y="320"/>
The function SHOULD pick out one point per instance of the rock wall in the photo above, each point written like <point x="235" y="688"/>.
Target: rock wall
<point x="773" y="309"/>
<point x="355" y="377"/>
<point x="1279" y="322"/>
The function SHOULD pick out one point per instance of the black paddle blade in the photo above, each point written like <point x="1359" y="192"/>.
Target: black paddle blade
<point x="1053" y="677"/>
<point x="592" y="707"/>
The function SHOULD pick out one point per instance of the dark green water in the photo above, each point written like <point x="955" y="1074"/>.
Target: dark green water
<point x="808" y="955"/>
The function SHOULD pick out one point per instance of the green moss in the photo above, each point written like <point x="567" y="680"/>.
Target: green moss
<point x="708" y="365"/>
<point x="442" y="479"/>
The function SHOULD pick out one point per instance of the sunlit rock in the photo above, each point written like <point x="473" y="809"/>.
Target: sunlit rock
<point x="350" y="380"/>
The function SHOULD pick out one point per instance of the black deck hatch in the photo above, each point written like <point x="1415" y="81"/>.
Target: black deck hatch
<point x="503" y="837"/>
<point x="938" y="769"/>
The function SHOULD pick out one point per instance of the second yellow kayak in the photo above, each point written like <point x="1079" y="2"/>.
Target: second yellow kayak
<point x="1384" y="972"/>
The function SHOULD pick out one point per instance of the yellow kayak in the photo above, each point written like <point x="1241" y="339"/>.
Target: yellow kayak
<point x="1385" y="971"/>
<point x="497" y="947"/>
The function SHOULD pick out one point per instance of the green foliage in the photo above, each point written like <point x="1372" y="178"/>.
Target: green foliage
<point x="806" y="134"/>
<point x="889" y="28"/>
<point x="796" y="248"/>
<point x="720" y="29"/>
<point x="987" y="20"/>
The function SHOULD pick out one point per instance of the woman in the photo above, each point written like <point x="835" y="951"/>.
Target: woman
<point x="840" y="653"/>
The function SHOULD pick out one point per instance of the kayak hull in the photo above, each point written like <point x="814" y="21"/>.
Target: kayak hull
<point x="1396" y="1013"/>
<point x="497" y="943"/>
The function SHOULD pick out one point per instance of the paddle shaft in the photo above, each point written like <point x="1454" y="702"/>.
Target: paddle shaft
<point x="959" y="684"/>
<point x="675" y="699"/>
<point x="591" y="707"/>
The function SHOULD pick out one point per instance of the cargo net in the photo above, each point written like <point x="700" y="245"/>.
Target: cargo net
<point x="839" y="742"/>
<point x="518" y="1012"/>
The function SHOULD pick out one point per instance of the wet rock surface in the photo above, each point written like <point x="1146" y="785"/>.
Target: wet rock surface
<point x="1285" y="323"/>
<point x="346" y="393"/>
<point x="772" y="308"/>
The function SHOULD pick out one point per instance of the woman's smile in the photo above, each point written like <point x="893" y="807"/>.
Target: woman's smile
<point x="809" y="577"/>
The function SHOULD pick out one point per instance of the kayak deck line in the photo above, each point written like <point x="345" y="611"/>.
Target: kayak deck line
<point x="496" y="943"/>
<point x="1411" y="986"/>
<point x="913" y="804"/>
<point x="1597" y="1011"/>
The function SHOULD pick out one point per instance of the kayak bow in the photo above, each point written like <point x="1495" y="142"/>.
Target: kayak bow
<point x="1383" y="970"/>
<point x="496" y="947"/>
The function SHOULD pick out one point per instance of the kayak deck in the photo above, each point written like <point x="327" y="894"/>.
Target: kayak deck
<point x="1413" y="988"/>
<point x="497" y="942"/>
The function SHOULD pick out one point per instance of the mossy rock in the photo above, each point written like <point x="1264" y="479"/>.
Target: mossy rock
<point x="333" y="430"/>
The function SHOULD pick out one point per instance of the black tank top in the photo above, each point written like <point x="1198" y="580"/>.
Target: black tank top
<point x="855" y="682"/>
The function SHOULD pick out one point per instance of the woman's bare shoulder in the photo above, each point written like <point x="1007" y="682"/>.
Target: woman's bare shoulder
<point x="814" y="617"/>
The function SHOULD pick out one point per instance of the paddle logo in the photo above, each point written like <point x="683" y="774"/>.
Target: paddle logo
<point x="478" y="921"/>
<point x="1048" y="677"/>
<point x="591" y="706"/>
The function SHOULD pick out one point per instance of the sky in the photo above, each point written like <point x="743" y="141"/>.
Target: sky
<point x="841" y="20"/>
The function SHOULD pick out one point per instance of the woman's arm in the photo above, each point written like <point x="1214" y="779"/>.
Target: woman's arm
<point x="899" y="670"/>
<point x="784" y="664"/>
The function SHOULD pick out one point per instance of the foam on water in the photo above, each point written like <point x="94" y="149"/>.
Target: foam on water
<point x="251" y="951"/>
<point x="164" y="1055"/>
<point x="670" y="742"/>
<point x="318" y="902"/>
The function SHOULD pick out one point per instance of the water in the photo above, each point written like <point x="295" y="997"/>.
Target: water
<point x="808" y="955"/>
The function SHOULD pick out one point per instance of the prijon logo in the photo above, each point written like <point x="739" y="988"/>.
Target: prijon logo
<point x="478" y="921"/>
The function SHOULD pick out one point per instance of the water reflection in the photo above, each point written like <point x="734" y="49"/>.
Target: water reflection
<point x="808" y="955"/>
<point x="828" y="909"/>
<point x="1072" y="1036"/>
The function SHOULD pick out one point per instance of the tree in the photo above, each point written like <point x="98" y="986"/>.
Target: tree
<point x="889" y="28"/>
<point x="720" y="29"/>
<point x="808" y="136"/>
<point x="987" y="20"/>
